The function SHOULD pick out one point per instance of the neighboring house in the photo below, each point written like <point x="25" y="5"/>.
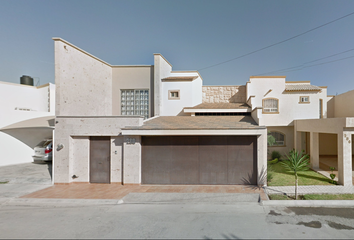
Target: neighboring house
<point x="27" y="117"/>
<point x="152" y="125"/>
<point x="330" y="141"/>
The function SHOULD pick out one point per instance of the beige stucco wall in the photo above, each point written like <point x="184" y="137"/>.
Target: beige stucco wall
<point x="79" y="154"/>
<point x="83" y="82"/>
<point x="73" y="133"/>
<point x="343" y="104"/>
<point x="328" y="144"/>
<point x="116" y="158"/>
<point x="132" y="161"/>
<point x="224" y="94"/>
<point x="289" y="139"/>
<point x="131" y="77"/>
<point x="330" y="108"/>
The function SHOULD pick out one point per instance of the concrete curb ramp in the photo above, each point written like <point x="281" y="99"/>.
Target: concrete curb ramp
<point x="217" y="198"/>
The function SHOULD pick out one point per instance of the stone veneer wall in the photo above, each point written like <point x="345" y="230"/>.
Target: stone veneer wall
<point x="224" y="94"/>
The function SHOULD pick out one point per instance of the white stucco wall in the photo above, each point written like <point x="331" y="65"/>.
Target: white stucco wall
<point x="288" y="102"/>
<point x="83" y="82"/>
<point x="162" y="69"/>
<point x="190" y="94"/>
<point x="14" y="99"/>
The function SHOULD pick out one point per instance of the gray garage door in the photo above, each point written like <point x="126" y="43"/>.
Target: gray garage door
<point x="199" y="160"/>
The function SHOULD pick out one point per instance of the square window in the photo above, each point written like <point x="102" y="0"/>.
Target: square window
<point x="173" y="94"/>
<point x="304" y="99"/>
<point x="132" y="102"/>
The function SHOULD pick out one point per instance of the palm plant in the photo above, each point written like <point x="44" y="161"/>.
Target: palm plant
<point x="296" y="162"/>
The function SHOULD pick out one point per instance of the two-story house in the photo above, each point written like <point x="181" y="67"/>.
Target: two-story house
<point x="152" y="125"/>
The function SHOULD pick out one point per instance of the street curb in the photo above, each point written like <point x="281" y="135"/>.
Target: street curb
<point x="309" y="203"/>
<point x="51" y="201"/>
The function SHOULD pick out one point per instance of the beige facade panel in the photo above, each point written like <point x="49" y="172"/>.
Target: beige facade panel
<point x="224" y="94"/>
<point x="131" y="78"/>
<point x="73" y="133"/>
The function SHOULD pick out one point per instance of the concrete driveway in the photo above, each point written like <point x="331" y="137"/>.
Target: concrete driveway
<point x="21" y="179"/>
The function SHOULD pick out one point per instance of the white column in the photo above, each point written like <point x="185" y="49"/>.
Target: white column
<point x="262" y="159"/>
<point x="314" y="150"/>
<point x="345" y="158"/>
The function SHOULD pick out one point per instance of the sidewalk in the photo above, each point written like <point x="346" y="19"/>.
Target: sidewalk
<point x="312" y="189"/>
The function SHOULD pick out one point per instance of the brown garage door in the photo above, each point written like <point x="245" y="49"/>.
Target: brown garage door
<point x="100" y="159"/>
<point x="199" y="160"/>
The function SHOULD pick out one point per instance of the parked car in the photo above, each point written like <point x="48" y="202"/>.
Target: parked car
<point x="43" y="152"/>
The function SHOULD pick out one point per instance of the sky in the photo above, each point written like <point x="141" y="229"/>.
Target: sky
<point x="191" y="35"/>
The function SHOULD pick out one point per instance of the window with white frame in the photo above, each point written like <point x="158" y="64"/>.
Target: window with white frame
<point x="135" y="102"/>
<point x="270" y="105"/>
<point x="279" y="139"/>
<point x="304" y="99"/>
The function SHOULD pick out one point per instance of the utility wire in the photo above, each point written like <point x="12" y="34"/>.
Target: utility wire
<point x="313" y="65"/>
<point x="274" y="44"/>
<point x="302" y="65"/>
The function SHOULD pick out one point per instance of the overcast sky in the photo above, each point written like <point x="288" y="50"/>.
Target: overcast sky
<point x="191" y="35"/>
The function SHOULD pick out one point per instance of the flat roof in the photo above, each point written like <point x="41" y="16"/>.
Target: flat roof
<point x="198" y="123"/>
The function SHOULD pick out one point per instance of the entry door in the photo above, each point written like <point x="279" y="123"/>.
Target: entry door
<point x="100" y="164"/>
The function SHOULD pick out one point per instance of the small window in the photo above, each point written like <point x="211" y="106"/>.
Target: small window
<point x="304" y="99"/>
<point x="270" y="105"/>
<point x="278" y="139"/>
<point x="173" y="95"/>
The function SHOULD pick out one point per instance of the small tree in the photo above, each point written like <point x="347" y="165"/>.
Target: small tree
<point x="296" y="162"/>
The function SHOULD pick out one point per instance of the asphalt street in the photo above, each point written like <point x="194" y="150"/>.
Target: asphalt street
<point x="199" y="221"/>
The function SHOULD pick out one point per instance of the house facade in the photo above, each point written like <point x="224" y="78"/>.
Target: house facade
<point x="23" y="123"/>
<point x="152" y="125"/>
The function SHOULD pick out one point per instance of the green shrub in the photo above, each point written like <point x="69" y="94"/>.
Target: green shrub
<point x="274" y="161"/>
<point x="275" y="154"/>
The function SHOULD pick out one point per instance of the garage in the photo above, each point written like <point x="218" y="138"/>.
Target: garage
<point x="212" y="160"/>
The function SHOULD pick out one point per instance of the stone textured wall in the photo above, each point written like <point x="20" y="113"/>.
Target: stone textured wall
<point x="83" y="83"/>
<point x="224" y="94"/>
<point x="74" y="132"/>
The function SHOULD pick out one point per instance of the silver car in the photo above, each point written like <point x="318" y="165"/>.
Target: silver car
<point x="43" y="151"/>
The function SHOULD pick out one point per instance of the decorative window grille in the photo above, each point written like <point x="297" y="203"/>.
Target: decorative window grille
<point x="135" y="102"/>
<point x="279" y="138"/>
<point x="270" y="105"/>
